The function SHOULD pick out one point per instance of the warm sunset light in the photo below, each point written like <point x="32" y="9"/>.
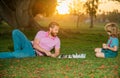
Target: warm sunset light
<point x="65" y="6"/>
<point x="83" y="0"/>
<point x="109" y="6"/>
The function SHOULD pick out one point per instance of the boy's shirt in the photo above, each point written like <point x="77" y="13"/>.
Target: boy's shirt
<point x="113" y="42"/>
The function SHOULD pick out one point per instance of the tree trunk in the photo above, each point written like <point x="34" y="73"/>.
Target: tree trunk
<point x="91" y="21"/>
<point x="22" y="15"/>
<point x="78" y="20"/>
<point x="7" y="14"/>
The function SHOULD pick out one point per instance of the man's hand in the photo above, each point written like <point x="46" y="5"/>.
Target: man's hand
<point x="53" y="55"/>
<point x="48" y="53"/>
<point x="37" y="47"/>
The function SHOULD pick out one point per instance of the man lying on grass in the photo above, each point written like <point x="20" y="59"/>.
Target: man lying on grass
<point x="43" y="43"/>
<point x="111" y="48"/>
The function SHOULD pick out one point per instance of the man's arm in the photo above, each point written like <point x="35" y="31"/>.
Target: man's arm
<point x="57" y="52"/>
<point x="57" y="49"/>
<point x="37" y="47"/>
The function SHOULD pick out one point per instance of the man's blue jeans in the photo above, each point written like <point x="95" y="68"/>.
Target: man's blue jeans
<point x="22" y="46"/>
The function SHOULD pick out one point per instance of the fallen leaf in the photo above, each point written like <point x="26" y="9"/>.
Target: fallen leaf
<point x="66" y="77"/>
<point x="102" y="67"/>
<point x="116" y="67"/>
<point x="92" y="76"/>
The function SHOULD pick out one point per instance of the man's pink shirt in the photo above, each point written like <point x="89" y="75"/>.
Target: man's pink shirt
<point x="46" y="42"/>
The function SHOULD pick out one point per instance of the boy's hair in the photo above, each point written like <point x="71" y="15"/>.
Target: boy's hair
<point x="112" y="28"/>
<point x="53" y="24"/>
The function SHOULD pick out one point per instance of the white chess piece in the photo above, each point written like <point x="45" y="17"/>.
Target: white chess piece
<point x="69" y="56"/>
<point x="73" y="55"/>
<point x="83" y="55"/>
<point x="59" y="56"/>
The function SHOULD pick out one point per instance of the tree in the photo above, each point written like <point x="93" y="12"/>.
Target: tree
<point x="114" y="16"/>
<point x="91" y="9"/>
<point x="20" y="13"/>
<point x="76" y="8"/>
<point x="117" y="0"/>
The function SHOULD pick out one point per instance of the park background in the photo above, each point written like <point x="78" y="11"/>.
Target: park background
<point x="81" y="30"/>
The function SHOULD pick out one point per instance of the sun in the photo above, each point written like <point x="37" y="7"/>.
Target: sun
<point x="63" y="9"/>
<point x="83" y="0"/>
<point x="63" y="6"/>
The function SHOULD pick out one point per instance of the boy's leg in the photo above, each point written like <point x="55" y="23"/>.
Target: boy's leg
<point x="100" y="54"/>
<point x="97" y="50"/>
<point x="110" y="54"/>
<point x="106" y="53"/>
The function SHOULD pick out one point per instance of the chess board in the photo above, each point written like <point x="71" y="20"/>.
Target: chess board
<point x="72" y="56"/>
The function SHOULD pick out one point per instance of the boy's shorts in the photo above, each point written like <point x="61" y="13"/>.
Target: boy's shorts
<point x="109" y="53"/>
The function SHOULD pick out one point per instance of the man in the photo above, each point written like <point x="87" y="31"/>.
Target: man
<point x="43" y="43"/>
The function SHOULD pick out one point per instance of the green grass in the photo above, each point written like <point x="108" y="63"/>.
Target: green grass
<point x="81" y="40"/>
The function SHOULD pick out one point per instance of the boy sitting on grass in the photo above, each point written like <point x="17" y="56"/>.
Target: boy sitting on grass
<point x="110" y="49"/>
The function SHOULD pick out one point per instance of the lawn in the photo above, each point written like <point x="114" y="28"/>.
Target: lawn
<point x="76" y="40"/>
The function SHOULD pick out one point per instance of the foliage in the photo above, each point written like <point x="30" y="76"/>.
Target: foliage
<point x="114" y="16"/>
<point x="117" y="0"/>
<point x="91" y="8"/>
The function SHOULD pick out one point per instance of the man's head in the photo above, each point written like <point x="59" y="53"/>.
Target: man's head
<point x="53" y="28"/>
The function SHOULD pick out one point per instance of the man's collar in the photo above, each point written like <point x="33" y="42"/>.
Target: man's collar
<point x="47" y="35"/>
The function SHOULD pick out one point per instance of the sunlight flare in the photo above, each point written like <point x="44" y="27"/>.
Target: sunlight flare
<point x="63" y="6"/>
<point x="66" y="6"/>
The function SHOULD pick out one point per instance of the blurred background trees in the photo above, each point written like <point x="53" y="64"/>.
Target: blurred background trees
<point x="91" y="8"/>
<point x="24" y="13"/>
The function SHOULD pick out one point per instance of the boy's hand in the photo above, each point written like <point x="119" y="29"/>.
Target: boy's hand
<point x="104" y="46"/>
